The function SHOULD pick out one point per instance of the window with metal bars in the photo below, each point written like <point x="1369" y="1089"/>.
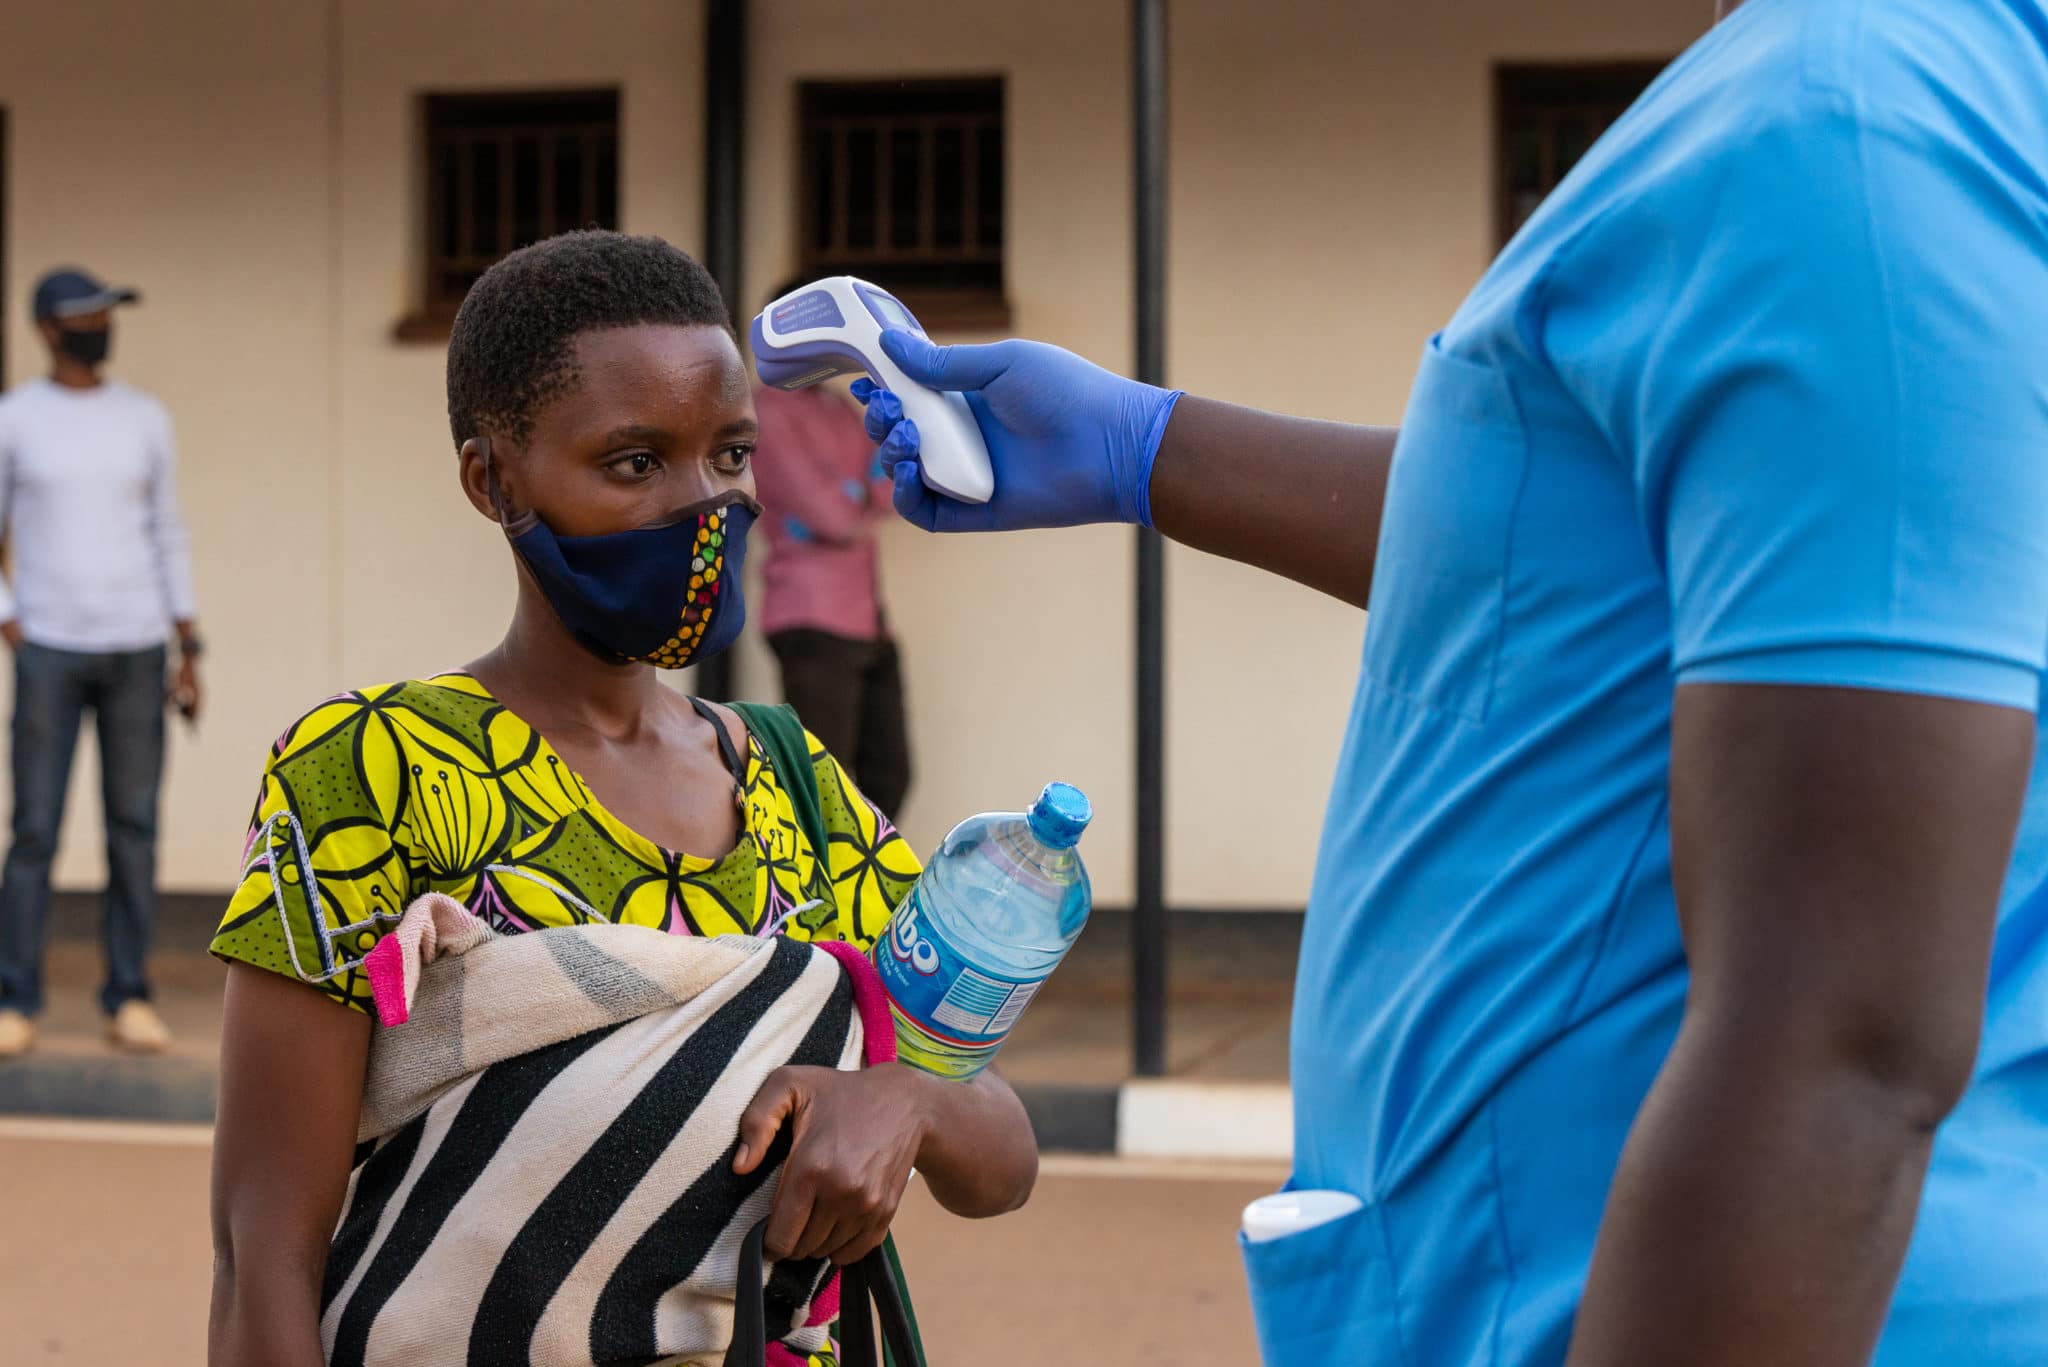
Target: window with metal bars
<point x="902" y="184"/>
<point x="506" y="169"/>
<point x="1547" y="117"/>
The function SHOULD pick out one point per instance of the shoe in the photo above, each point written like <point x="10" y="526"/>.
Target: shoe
<point x="137" y="1028"/>
<point x="17" y="1033"/>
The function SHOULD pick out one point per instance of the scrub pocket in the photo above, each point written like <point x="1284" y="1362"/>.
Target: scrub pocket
<point x="1437" y="613"/>
<point x="1325" y="1296"/>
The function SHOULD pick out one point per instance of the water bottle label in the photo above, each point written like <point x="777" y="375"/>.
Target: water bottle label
<point x="930" y="983"/>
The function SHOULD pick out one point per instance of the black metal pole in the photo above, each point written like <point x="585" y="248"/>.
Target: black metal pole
<point x="1148" y="168"/>
<point x="725" y="102"/>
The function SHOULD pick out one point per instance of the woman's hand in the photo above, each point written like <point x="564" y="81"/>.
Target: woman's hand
<point x="853" y="1139"/>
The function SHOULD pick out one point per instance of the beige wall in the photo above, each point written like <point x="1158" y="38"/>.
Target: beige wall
<point x="186" y="156"/>
<point x="1017" y="649"/>
<point x="425" y="583"/>
<point x="1331" y="204"/>
<point x="252" y="166"/>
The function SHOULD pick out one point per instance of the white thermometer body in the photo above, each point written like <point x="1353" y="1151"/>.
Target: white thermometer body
<point x="834" y="326"/>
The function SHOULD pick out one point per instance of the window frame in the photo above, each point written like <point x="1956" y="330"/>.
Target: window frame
<point x="936" y="306"/>
<point x="590" y="112"/>
<point x="1598" y="91"/>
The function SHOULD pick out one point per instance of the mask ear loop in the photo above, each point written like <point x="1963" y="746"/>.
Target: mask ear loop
<point x="513" y="525"/>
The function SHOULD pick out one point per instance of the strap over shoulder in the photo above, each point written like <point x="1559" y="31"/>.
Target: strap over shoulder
<point x="782" y="738"/>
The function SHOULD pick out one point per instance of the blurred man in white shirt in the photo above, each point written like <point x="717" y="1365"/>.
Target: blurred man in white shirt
<point x="101" y="578"/>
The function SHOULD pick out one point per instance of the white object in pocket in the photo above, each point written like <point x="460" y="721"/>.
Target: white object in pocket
<point x="1322" y="1285"/>
<point x="1291" y="1212"/>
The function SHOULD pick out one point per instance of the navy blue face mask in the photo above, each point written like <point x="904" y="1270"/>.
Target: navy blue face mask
<point x="88" y="346"/>
<point x="668" y="595"/>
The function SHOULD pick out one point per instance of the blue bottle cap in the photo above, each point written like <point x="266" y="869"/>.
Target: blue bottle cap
<point x="1060" y="815"/>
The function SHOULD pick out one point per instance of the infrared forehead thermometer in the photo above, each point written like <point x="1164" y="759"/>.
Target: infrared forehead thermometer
<point x="834" y="326"/>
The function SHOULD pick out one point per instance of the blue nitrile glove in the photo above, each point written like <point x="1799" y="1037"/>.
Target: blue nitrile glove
<point x="1069" y="442"/>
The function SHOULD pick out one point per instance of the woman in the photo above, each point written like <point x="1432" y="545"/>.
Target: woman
<point x="602" y="414"/>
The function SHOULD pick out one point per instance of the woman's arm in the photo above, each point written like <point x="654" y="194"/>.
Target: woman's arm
<point x="978" y="1155"/>
<point x="291" y="1084"/>
<point x="854" y="1138"/>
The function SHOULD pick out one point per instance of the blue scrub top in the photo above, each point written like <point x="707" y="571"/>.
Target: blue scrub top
<point x="1760" y="395"/>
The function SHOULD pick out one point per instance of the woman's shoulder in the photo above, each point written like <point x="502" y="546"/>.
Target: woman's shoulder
<point x="779" y="745"/>
<point x="447" y="714"/>
<point x="844" y="810"/>
<point x="733" y="721"/>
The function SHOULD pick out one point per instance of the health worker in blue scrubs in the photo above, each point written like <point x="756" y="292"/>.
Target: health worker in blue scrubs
<point x="1675" y="984"/>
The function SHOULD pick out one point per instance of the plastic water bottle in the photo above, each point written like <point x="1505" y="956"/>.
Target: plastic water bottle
<point x="998" y="907"/>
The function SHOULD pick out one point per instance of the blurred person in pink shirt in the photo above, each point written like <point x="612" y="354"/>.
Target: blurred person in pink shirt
<point x="821" y="610"/>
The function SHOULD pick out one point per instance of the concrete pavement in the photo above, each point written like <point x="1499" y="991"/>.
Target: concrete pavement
<point x="1225" y="1095"/>
<point x="108" y="1258"/>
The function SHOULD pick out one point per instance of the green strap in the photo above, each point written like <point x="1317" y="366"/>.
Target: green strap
<point x="909" y="1311"/>
<point x="782" y="737"/>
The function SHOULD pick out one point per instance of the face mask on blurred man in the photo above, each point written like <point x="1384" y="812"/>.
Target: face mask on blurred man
<point x="89" y="346"/>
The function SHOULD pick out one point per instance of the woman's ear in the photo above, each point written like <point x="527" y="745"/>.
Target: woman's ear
<point x="481" y="479"/>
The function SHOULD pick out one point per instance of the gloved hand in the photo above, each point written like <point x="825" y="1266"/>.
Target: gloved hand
<point x="1069" y="442"/>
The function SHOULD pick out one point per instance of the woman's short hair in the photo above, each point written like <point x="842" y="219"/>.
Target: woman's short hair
<point x="512" y="349"/>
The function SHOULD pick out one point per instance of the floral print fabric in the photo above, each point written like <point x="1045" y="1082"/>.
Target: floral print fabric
<point x="379" y="796"/>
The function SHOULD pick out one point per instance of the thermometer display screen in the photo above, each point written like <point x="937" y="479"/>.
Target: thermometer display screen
<point x="891" y="313"/>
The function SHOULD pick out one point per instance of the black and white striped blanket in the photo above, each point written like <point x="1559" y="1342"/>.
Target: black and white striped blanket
<point x="549" y="1126"/>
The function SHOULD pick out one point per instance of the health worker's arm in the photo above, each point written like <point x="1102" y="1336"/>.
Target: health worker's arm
<point x="1294" y="496"/>
<point x="1827" y="380"/>
<point x="1838" y="854"/>
<point x="1071" y="443"/>
<point x="291" y="1083"/>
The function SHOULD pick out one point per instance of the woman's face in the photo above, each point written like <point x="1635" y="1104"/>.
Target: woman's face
<point x="660" y="417"/>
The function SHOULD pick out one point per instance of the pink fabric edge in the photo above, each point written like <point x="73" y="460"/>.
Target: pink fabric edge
<point x="779" y="1356"/>
<point x="385" y="963"/>
<point x="825" y="1305"/>
<point x="877" y="1026"/>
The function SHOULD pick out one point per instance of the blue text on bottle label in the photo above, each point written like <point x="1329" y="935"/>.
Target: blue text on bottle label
<point x="930" y="983"/>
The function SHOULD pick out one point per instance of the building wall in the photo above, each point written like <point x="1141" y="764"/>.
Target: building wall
<point x="252" y="166"/>
<point x="424" y="582"/>
<point x="1017" y="649"/>
<point x="1332" y="202"/>
<point x="185" y="154"/>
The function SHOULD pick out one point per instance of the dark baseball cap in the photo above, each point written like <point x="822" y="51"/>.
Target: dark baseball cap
<point x="68" y="291"/>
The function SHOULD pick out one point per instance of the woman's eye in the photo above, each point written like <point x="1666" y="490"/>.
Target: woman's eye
<point x="639" y="465"/>
<point x="735" y="458"/>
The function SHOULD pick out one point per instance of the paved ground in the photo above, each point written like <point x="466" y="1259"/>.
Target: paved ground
<point x="1077" y="1032"/>
<point x="1070" y="1056"/>
<point x="106" y="1258"/>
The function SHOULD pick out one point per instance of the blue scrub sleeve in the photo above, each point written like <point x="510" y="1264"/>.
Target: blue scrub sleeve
<point x="1829" y="370"/>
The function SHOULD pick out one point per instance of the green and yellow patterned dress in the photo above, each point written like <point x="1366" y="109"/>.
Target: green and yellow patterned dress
<point x="378" y="796"/>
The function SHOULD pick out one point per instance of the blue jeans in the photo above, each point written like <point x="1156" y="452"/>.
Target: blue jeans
<point x="52" y="691"/>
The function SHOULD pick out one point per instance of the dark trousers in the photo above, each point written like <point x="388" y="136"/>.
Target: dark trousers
<point x="850" y="696"/>
<point x="52" y="691"/>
